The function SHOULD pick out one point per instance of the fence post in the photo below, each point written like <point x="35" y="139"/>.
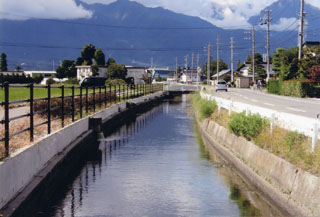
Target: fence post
<point x="110" y="99"/>
<point x="127" y="92"/>
<point x="105" y="96"/>
<point x="49" y="108"/>
<point x="62" y="105"/>
<point x="94" y="99"/>
<point x="100" y="97"/>
<point x="31" y="113"/>
<point x="6" y="118"/>
<point x="272" y="123"/>
<point x="115" y="94"/>
<point x="119" y="93"/>
<point x="315" y="136"/>
<point x="80" y="102"/>
<point x="72" y="103"/>
<point x="87" y="106"/>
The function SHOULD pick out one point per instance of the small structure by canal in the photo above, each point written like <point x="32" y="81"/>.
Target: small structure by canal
<point x="154" y="166"/>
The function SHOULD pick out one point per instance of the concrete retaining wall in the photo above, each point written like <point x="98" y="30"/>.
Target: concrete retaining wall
<point x="20" y="168"/>
<point x="291" y="188"/>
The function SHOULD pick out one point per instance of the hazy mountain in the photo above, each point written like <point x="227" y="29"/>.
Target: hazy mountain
<point x="285" y="14"/>
<point x="144" y="33"/>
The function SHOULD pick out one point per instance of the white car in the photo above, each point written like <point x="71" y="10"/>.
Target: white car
<point x="222" y="85"/>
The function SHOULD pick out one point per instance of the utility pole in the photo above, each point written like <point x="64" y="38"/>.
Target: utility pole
<point x="266" y="21"/>
<point x="176" y="74"/>
<point x="192" y="68"/>
<point x="301" y="28"/>
<point x="186" y="66"/>
<point x="253" y="53"/>
<point x="151" y="62"/>
<point x="198" y="62"/>
<point x="218" y="56"/>
<point x="232" y="59"/>
<point x="208" y="64"/>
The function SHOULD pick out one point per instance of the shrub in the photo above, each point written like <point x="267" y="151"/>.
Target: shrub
<point x="247" y="126"/>
<point x="203" y="107"/>
<point x="297" y="88"/>
<point x="274" y="87"/>
<point x="72" y="81"/>
<point x="50" y="81"/>
<point x="115" y="82"/>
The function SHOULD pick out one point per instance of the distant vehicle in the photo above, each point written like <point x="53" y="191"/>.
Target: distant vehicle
<point x="222" y="85"/>
<point x="93" y="82"/>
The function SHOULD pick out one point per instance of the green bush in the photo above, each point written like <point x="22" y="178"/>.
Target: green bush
<point x="50" y="81"/>
<point x="247" y="126"/>
<point x="203" y="107"/>
<point x="72" y="81"/>
<point x="297" y="88"/>
<point x="274" y="87"/>
<point x="114" y="82"/>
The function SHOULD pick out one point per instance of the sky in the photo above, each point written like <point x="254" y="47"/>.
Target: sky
<point x="223" y="13"/>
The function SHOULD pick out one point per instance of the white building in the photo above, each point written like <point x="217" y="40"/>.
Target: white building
<point x="86" y="71"/>
<point x="190" y="76"/>
<point x="45" y="74"/>
<point x="136" y="73"/>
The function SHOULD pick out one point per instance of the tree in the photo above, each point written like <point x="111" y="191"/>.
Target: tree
<point x="66" y="70"/>
<point x="18" y="68"/>
<point x="311" y="57"/>
<point x="110" y="61"/>
<point x="87" y="54"/>
<point x="259" y="69"/>
<point x="99" y="58"/>
<point x="79" y="61"/>
<point x="213" y="67"/>
<point x="286" y="64"/>
<point x="117" y="71"/>
<point x="239" y="64"/>
<point x="315" y="74"/>
<point x="3" y="63"/>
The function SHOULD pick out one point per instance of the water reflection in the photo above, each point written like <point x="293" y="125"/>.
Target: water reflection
<point x="153" y="166"/>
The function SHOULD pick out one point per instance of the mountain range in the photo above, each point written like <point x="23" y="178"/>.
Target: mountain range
<point x="132" y="34"/>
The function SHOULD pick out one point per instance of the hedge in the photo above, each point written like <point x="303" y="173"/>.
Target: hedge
<point x="293" y="88"/>
<point x="274" y="87"/>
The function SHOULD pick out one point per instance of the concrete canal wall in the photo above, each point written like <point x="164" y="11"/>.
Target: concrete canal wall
<point x="22" y="171"/>
<point x="290" y="188"/>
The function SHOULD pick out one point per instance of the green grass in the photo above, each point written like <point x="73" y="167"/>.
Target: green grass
<point x="21" y="93"/>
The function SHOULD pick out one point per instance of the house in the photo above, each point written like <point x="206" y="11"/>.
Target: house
<point x="10" y="73"/>
<point x="86" y="71"/>
<point x="190" y="76"/>
<point x="244" y="70"/>
<point x="221" y="74"/>
<point x="311" y="44"/>
<point x="45" y="74"/>
<point x="137" y="74"/>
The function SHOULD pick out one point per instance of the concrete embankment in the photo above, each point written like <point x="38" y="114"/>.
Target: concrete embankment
<point x="293" y="190"/>
<point x="24" y="170"/>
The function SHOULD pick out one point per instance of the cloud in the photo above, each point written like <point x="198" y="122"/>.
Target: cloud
<point x="285" y="24"/>
<point x="53" y="9"/>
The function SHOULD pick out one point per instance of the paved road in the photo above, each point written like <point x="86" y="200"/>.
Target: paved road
<point x="308" y="107"/>
<point x="14" y="112"/>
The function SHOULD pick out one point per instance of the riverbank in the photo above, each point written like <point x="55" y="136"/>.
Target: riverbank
<point x="18" y="178"/>
<point x="284" y="184"/>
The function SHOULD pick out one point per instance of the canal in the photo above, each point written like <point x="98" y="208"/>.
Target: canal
<point x="156" y="165"/>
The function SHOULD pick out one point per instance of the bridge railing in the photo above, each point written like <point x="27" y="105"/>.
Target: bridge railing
<point x="45" y="104"/>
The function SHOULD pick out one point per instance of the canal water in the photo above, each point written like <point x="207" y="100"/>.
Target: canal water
<point x="155" y="166"/>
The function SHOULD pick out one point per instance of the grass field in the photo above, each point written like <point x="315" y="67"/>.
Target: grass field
<point x="21" y="93"/>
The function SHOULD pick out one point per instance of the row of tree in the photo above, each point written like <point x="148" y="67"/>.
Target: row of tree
<point x="287" y="65"/>
<point x="90" y="56"/>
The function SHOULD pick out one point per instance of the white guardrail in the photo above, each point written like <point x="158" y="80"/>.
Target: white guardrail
<point x="307" y="126"/>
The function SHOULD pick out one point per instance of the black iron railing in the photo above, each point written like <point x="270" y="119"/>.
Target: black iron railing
<point x="58" y="107"/>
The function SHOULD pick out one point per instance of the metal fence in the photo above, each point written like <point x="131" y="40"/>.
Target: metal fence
<point x="71" y="105"/>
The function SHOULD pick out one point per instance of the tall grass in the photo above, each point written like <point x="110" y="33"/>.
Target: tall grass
<point x="204" y="108"/>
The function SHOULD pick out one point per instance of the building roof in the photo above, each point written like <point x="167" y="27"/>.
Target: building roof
<point x="135" y="67"/>
<point x="311" y="44"/>
<point x="40" y="72"/>
<point x="79" y="67"/>
<point x="222" y="73"/>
